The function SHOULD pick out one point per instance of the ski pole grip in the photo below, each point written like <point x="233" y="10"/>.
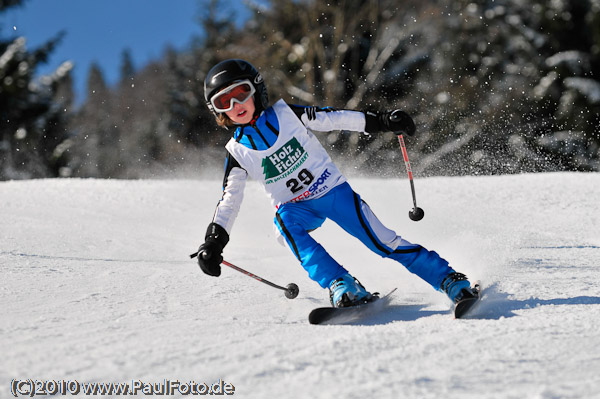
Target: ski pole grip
<point x="395" y="116"/>
<point x="401" y="123"/>
<point x="204" y="254"/>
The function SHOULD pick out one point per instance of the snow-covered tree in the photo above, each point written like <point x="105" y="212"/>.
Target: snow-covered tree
<point x="510" y="87"/>
<point x="33" y="132"/>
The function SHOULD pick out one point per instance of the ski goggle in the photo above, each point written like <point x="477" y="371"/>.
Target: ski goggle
<point x="238" y="92"/>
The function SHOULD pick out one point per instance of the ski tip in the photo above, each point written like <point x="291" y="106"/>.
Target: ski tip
<point x="465" y="305"/>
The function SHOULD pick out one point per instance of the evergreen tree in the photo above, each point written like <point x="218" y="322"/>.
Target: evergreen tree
<point x="97" y="142"/>
<point x="6" y="4"/>
<point x="127" y="68"/>
<point x="189" y="117"/>
<point x="33" y="132"/>
<point x="510" y="88"/>
<point x="495" y="86"/>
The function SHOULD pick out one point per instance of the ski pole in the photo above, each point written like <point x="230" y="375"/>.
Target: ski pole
<point x="416" y="213"/>
<point x="291" y="291"/>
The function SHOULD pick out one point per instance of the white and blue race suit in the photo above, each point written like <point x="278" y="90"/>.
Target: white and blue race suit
<point x="279" y="150"/>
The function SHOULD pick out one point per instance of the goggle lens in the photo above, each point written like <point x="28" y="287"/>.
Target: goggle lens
<point x="239" y="92"/>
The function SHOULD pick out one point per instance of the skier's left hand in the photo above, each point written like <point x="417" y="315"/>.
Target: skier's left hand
<point x="398" y="122"/>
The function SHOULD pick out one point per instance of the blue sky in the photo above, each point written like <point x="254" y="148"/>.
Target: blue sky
<point x="99" y="30"/>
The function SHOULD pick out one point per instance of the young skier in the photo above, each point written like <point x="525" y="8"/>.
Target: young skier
<point x="275" y="146"/>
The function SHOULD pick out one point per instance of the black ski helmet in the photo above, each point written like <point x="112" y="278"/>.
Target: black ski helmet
<point x="229" y="71"/>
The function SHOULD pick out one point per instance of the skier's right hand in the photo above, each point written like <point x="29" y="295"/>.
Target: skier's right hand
<point x="210" y="254"/>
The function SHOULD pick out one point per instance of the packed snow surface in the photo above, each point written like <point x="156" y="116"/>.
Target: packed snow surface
<point x="97" y="286"/>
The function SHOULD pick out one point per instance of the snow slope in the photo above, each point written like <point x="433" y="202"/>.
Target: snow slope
<point x="96" y="285"/>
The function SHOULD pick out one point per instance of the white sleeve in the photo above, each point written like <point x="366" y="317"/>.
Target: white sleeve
<point x="233" y="194"/>
<point x="326" y="120"/>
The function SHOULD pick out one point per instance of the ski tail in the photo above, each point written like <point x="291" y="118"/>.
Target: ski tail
<point x="331" y="315"/>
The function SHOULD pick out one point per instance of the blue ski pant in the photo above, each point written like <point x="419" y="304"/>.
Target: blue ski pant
<point x="342" y="205"/>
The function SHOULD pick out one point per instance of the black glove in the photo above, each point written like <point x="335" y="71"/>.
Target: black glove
<point x="396" y="121"/>
<point x="210" y="254"/>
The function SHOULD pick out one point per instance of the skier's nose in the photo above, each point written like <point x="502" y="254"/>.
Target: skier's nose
<point x="237" y="106"/>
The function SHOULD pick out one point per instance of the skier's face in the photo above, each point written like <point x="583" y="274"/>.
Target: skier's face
<point x="242" y="113"/>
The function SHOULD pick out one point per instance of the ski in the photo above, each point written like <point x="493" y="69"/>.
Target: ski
<point x="331" y="315"/>
<point x="465" y="305"/>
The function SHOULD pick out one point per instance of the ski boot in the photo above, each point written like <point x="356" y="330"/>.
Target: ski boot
<point x="347" y="291"/>
<point x="456" y="286"/>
